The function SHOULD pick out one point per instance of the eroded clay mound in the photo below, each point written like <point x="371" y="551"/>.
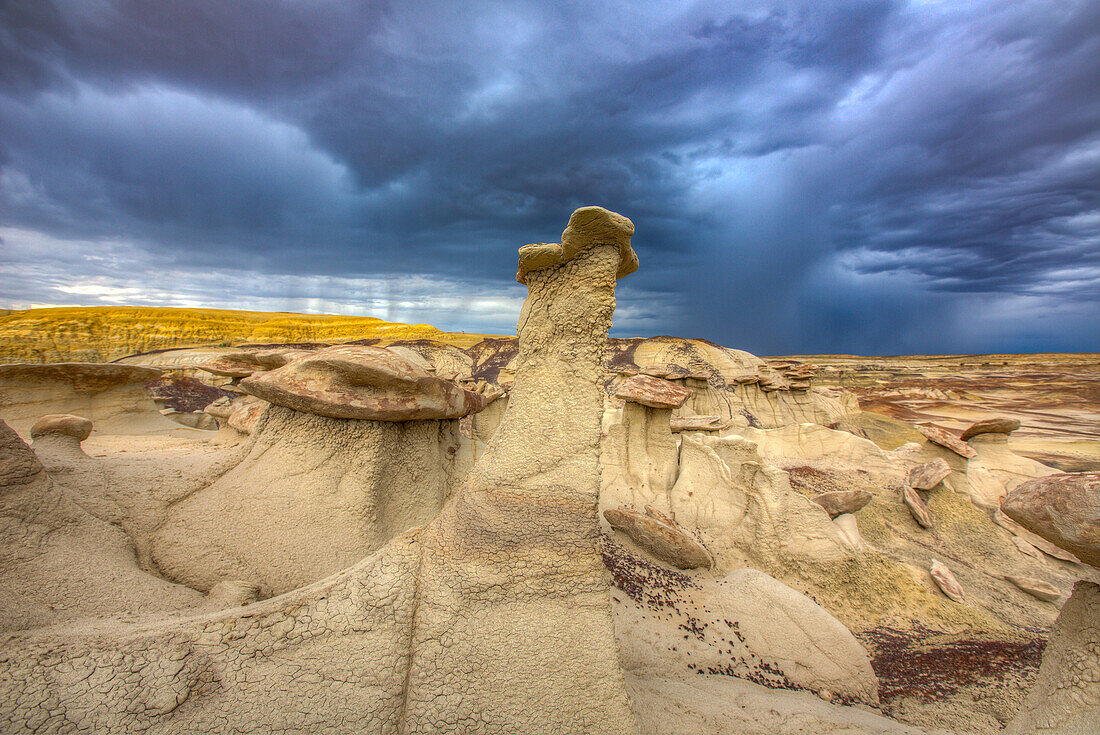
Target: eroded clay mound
<point x="313" y="496"/>
<point x="57" y="561"/>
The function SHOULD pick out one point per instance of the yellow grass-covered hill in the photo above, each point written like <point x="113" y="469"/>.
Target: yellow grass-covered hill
<point x="105" y="333"/>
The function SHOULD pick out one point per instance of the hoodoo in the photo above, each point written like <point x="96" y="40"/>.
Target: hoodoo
<point x="495" y="613"/>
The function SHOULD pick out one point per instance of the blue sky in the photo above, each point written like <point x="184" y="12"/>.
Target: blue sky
<point x="871" y="177"/>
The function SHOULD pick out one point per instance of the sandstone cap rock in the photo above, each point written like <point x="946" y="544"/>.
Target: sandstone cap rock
<point x="587" y="227"/>
<point x="84" y="376"/>
<point x="697" y="423"/>
<point x="1063" y="509"/>
<point x="998" y="425"/>
<point x="359" y="382"/>
<point x="64" y="424"/>
<point x="945" y="439"/>
<point x="653" y="392"/>
<point x="929" y="474"/>
<point x="842" y="501"/>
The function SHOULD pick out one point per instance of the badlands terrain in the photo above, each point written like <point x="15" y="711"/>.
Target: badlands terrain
<point x="237" y="522"/>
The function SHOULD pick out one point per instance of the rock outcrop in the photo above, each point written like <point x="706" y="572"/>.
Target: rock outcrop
<point x="1065" y="699"/>
<point x="1064" y="509"/>
<point x="929" y="474"/>
<point x="744" y="624"/>
<point x="680" y="424"/>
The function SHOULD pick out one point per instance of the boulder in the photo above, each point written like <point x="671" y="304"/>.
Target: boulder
<point x="679" y="424"/>
<point x="917" y="507"/>
<point x="64" y="424"/>
<point x="358" y="382"/>
<point x="945" y="580"/>
<point x="930" y="474"/>
<point x="1037" y="588"/>
<point x="652" y="392"/>
<point x="1063" y="509"/>
<point x="659" y="535"/>
<point x="946" y="439"/>
<point x="245" y="413"/>
<point x="990" y="426"/>
<point x="843" y="501"/>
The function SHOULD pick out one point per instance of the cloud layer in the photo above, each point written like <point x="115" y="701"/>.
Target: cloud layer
<point x="871" y="177"/>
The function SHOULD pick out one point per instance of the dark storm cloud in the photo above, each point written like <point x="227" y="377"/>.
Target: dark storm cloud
<point x="804" y="177"/>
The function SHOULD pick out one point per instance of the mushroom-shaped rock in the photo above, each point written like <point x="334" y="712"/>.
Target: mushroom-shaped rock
<point x="63" y="424"/>
<point x="659" y="535"/>
<point x="1063" y="509"/>
<point x="945" y="439"/>
<point x="917" y="507"/>
<point x="680" y="424"/>
<point x="1037" y="588"/>
<point x="842" y="501"/>
<point x="998" y="425"/>
<point x="588" y="227"/>
<point x="945" y="580"/>
<point x="929" y="474"/>
<point x="357" y="382"/>
<point x="652" y="392"/>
